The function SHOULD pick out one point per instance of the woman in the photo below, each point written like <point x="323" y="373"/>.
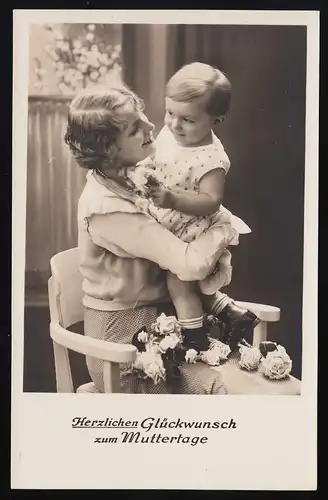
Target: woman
<point x="124" y="254"/>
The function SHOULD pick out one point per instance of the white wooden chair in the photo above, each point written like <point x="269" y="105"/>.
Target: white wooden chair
<point x="66" y="309"/>
<point x="65" y="300"/>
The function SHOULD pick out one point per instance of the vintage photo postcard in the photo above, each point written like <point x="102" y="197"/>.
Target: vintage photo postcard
<point x="165" y="237"/>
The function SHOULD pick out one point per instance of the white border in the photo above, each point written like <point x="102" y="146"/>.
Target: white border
<point x="45" y="451"/>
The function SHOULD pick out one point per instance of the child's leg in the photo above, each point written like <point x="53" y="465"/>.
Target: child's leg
<point x="188" y="305"/>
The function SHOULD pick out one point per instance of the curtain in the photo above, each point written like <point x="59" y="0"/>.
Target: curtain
<point x="189" y="43"/>
<point x="151" y="53"/>
<point x="144" y="55"/>
<point x="54" y="184"/>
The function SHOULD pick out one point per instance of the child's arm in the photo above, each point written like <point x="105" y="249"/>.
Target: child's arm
<point x="205" y="202"/>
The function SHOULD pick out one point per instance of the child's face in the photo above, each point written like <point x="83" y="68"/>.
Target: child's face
<point x="136" y="142"/>
<point x="189" y="122"/>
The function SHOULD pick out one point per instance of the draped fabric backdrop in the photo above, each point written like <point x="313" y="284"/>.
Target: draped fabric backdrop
<point x="263" y="136"/>
<point x="54" y="184"/>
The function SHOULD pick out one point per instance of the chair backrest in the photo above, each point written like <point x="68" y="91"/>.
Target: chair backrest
<point x="65" y="288"/>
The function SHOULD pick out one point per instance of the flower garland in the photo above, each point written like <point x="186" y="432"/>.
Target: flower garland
<point x="161" y="352"/>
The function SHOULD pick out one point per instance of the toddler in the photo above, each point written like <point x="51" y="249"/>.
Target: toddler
<point x="183" y="185"/>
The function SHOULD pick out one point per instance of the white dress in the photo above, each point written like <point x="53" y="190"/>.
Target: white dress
<point x="183" y="167"/>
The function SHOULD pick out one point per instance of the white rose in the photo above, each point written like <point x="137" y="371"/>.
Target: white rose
<point x="277" y="364"/>
<point x="166" y="324"/>
<point x="102" y="70"/>
<point x="280" y="349"/>
<point x="152" y="346"/>
<point x="169" y="342"/>
<point x="249" y="357"/>
<point x="143" y="359"/>
<point x="222" y="350"/>
<point x="210" y="357"/>
<point x="143" y="336"/>
<point x="191" y="356"/>
<point x="91" y="27"/>
<point x="155" y="370"/>
<point x="151" y="364"/>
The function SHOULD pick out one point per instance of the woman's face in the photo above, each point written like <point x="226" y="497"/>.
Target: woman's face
<point x="136" y="142"/>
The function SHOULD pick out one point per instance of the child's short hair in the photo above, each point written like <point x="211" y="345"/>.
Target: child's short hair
<point x="197" y="80"/>
<point x="95" y="119"/>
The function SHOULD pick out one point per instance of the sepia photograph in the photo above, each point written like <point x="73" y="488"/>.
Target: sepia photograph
<point x="214" y="119"/>
<point x="165" y="249"/>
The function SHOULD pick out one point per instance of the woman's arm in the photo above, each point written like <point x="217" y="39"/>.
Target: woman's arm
<point x="205" y="202"/>
<point x="141" y="236"/>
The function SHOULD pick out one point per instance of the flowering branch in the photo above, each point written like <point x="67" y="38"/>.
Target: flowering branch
<point x="82" y="61"/>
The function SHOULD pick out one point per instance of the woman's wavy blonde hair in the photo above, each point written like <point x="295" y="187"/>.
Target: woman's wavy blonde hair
<point x="95" y="120"/>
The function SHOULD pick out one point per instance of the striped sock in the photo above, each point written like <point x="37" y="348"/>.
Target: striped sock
<point x="220" y="303"/>
<point x="191" y="323"/>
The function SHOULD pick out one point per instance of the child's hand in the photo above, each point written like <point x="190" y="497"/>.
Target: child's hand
<point x="161" y="196"/>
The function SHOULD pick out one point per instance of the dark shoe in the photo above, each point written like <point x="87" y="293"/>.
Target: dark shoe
<point x="238" y="323"/>
<point x="267" y="346"/>
<point x="195" y="338"/>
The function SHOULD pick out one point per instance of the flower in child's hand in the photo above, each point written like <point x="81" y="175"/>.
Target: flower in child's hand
<point x="277" y="364"/>
<point x="166" y="324"/>
<point x="139" y="176"/>
<point x="143" y="336"/>
<point x="210" y="357"/>
<point x="250" y="357"/>
<point x="191" y="356"/>
<point x="169" y="342"/>
<point x="223" y="350"/>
